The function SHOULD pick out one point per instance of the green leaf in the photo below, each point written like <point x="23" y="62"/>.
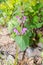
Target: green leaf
<point x="22" y="41"/>
<point x="38" y="25"/>
<point x="13" y="35"/>
<point x="37" y="7"/>
<point x="39" y="34"/>
<point x="2" y="22"/>
<point x="41" y="12"/>
<point x="41" y="39"/>
<point x="19" y="28"/>
<point x="35" y="19"/>
<point x="2" y="1"/>
<point x="42" y="19"/>
<point x="13" y="23"/>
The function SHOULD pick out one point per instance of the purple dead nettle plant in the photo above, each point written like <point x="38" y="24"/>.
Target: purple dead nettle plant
<point x="16" y="31"/>
<point x="23" y="19"/>
<point x="23" y="31"/>
<point x="19" y="20"/>
<point x="18" y="17"/>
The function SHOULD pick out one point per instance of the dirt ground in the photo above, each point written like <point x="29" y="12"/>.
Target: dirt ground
<point x="31" y="56"/>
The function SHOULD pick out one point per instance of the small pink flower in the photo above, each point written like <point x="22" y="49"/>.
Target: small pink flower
<point x="24" y="30"/>
<point x="24" y="18"/>
<point x="17" y="17"/>
<point x="16" y="31"/>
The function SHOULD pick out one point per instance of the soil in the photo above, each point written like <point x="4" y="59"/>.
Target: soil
<point x="31" y="56"/>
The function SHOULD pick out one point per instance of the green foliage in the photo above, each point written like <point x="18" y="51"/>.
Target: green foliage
<point x="22" y="41"/>
<point x="34" y="19"/>
<point x="23" y="16"/>
<point x="2" y="1"/>
<point x="41" y="39"/>
<point x="12" y="23"/>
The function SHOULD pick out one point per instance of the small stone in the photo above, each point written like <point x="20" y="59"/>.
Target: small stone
<point x="36" y="52"/>
<point x="29" y="52"/>
<point x="40" y="45"/>
<point x="10" y="60"/>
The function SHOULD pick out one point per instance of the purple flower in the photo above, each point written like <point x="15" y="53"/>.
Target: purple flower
<point x="16" y="31"/>
<point x="24" y="30"/>
<point x="17" y="17"/>
<point x="24" y="18"/>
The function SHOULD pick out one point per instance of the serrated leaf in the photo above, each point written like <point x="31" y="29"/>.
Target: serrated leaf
<point x="22" y="41"/>
<point x="35" y="19"/>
